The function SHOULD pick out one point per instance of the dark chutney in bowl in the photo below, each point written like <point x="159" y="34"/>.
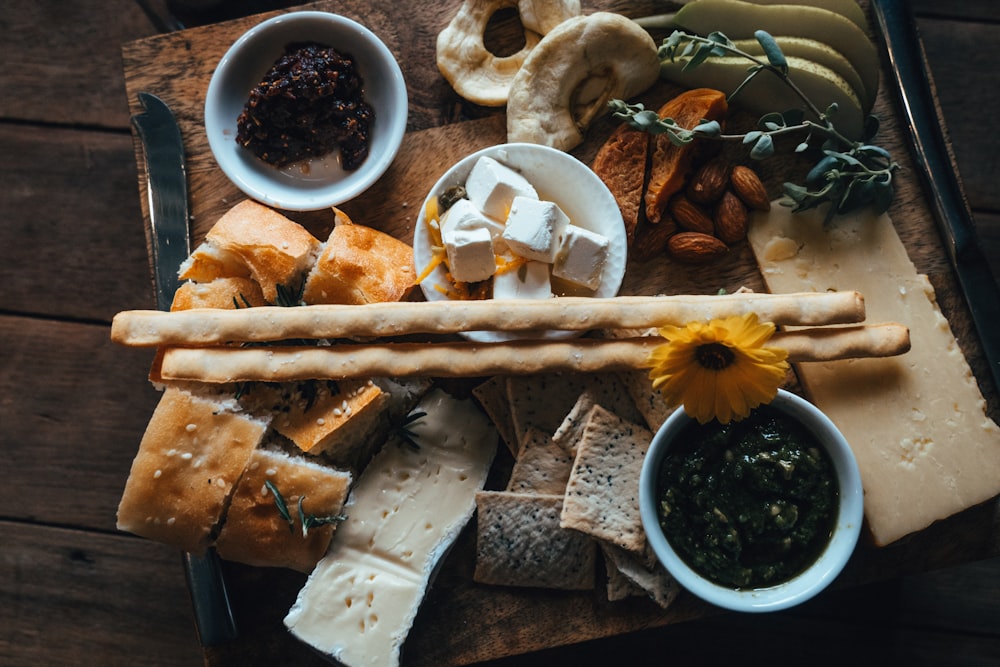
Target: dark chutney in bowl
<point x="748" y="504"/>
<point x="310" y="103"/>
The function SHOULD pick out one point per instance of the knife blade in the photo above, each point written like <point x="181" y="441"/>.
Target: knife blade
<point x="166" y="194"/>
<point x="901" y="42"/>
<point x="170" y="244"/>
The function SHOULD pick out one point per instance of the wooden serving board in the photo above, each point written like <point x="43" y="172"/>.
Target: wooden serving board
<point x="460" y="621"/>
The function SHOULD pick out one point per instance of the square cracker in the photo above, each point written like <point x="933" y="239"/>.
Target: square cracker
<point x="602" y="495"/>
<point x="649" y="402"/>
<point x="544" y="400"/>
<point x="492" y="397"/>
<point x="519" y="543"/>
<point x="628" y="575"/>
<point x="542" y="467"/>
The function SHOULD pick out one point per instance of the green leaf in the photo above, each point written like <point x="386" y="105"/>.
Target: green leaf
<point x="774" y="54"/>
<point x="882" y="195"/>
<point x="773" y="120"/>
<point x="818" y="173"/>
<point x="711" y="128"/>
<point x="763" y="148"/>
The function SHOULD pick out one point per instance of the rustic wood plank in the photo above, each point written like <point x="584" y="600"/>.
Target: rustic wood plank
<point x="72" y="597"/>
<point x="70" y="209"/>
<point x="62" y="62"/>
<point x="73" y="411"/>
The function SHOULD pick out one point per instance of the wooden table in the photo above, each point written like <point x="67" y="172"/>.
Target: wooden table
<point x="73" y="406"/>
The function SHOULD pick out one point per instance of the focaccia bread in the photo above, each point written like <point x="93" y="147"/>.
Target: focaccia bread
<point x="335" y="419"/>
<point x="359" y="265"/>
<point x="254" y="531"/>
<point x="228" y="292"/>
<point x="191" y="456"/>
<point x="252" y="240"/>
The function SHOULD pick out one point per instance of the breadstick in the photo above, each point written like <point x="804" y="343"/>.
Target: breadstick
<point x="196" y="327"/>
<point x="466" y="359"/>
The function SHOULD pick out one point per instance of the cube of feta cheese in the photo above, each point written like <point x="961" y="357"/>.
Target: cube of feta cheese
<point x="582" y="256"/>
<point x="535" y="229"/>
<point x="464" y="215"/>
<point x="530" y="280"/>
<point x="470" y="254"/>
<point x="492" y="186"/>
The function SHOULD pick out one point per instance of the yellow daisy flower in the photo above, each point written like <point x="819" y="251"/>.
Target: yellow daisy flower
<point x="719" y="369"/>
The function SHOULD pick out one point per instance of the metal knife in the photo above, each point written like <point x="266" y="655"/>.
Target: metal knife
<point x="902" y="44"/>
<point x="170" y="243"/>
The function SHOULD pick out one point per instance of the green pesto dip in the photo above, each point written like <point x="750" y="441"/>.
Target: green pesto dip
<point x="748" y="504"/>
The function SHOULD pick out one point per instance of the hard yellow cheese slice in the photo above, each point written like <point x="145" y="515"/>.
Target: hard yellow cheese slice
<point x="917" y="423"/>
<point x="408" y="507"/>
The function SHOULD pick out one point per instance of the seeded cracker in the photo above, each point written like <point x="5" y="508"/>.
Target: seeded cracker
<point x="570" y="431"/>
<point x="541" y="400"/>
<point x="492" y="398"/>
<point x="602" y="496"/>
<point x="648" y="401"/>
<point x="542" y="468"/>
<point x="519" y="543"/>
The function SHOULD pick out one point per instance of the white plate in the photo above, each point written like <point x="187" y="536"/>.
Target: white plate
<point x="319" y="183"/>
<point x="558" y="177"/>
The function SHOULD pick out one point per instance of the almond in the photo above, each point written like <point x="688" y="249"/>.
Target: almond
<point x="748" y="186"/>
<point x="689" y="216"/>
<point x="709" y="181"/>
<point x="731" y="218"/>
<point x="695" y="247"/>
<point x="651" y="239"/>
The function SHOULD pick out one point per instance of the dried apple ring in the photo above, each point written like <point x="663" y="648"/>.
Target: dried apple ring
<point x="567" y="80"/>
<point x="463" y="59"/>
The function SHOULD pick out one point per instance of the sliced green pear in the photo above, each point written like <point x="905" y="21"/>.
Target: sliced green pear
<point x="849" y="9"/>
<point x="819" y="53"/>
<point x="767" y="92"/>
<point x="738" y="19"/>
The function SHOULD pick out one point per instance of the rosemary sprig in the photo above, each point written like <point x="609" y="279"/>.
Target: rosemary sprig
<point x="279" y="502"/>
<point x="312" y="521"/>
<point x="289" y="295"/>
<point x="849" y="174"/>
<point x="306" y="520"/>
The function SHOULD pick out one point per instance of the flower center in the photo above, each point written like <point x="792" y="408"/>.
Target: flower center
<point x="714" y="356"/>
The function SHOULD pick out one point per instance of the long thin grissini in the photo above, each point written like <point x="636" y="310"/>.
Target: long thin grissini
<point x="466" y="359"/>
<point x="198" y="327"/>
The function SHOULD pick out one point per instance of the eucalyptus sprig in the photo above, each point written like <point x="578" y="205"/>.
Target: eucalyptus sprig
<point x="849" y="174"/>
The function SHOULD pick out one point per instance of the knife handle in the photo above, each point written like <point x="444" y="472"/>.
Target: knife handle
<point x="213" y="615"/>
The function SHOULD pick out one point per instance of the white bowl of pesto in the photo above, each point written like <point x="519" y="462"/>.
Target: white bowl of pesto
<point x="757" y="516"/>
